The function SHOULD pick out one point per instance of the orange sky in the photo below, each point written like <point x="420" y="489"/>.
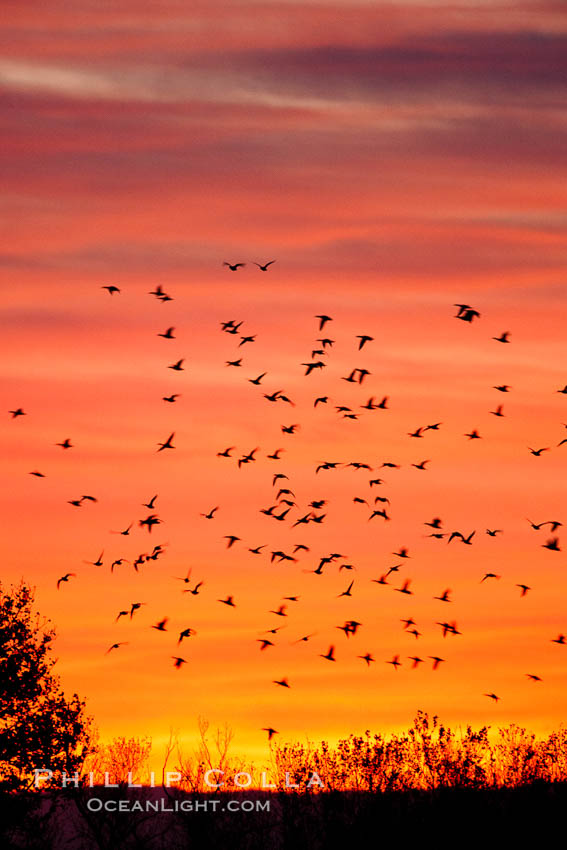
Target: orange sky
<point x="395" y="158"/>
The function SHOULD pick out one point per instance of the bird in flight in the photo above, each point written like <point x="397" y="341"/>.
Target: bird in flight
<point x="271" y="732"/>
<point x="232" y="539"/>
<point x="330" y="655"/>
<point x="112" y="290"/>
<point x="98" y="562"/>
<point x="309" y="367"/>
<point x="228" y="601"/>
<point x="347" y="592"/>
<point x="168" y="443"/>
<point x="227" y="452"/>
<point x="149" y="522"/>
<point x="65" y="578"/>
<point x="116" y="646"/>
<point x="461" y="309"/>
<point x="466" y="313"/>
<point x="168" y="334"/>
<point x="265" y="266"/>
<point x="234" y="266"/>
<point x="435" y="522"/>
<point x="185" y="634"/>
<point x="405" y="588"/>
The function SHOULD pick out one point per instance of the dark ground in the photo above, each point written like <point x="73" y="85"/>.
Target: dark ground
<point x="450" y="817"/>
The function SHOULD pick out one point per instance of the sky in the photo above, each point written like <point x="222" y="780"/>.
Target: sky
<point x="394" y="159"/>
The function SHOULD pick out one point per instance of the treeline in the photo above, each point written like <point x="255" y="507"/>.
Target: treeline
<point x="428" y="756"/>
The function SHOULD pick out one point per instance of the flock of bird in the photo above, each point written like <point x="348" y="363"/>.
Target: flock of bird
<point x="284" y="508"/>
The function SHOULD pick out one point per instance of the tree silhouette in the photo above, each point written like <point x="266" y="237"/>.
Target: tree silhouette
<point x="39" y="726"/>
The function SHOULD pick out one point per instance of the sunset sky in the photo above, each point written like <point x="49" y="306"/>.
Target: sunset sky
<point x="394" y="159"/>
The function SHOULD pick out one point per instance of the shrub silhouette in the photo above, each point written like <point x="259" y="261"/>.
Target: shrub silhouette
<point x="429" y="755"/>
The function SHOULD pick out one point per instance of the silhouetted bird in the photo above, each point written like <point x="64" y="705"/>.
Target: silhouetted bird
<point x="65" y="578"/>
<point x="492" y="697"/>
<point x="116" y="646"/>
<point x="271" y="732"/>
<point x="323" y="321"/>
<point x="330" y="656"/>
<point x="228" y="601"/>
<point x="168" y="443"/>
